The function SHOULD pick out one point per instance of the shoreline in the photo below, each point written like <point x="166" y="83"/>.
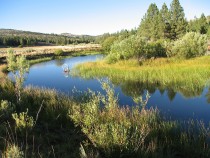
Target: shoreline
<point x="46" y="53"/>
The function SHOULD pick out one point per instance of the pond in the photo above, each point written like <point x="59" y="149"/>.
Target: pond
<point x="179" y="105"/>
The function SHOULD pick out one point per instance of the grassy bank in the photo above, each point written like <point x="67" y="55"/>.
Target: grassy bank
<point x="182" y="76"/>
<point x="48" y="124"/>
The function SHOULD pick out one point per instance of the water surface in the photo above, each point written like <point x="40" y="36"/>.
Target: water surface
<point x="180" y="105"/>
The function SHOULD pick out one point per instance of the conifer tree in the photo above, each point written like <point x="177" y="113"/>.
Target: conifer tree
<point x="178" y="21"/>
<point x="164" y="22"/>
<point x="199" y="25"/>
<point x="148" y="27"/>
<point x="203" y="24"/>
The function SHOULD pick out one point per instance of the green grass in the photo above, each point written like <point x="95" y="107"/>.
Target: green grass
<point x="188" y="77"/>
<point x="35" y="61"/>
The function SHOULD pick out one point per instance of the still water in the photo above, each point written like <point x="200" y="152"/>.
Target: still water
<point x="176" y="105"/>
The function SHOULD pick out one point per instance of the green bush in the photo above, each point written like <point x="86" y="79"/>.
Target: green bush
<point x="6" y="108"/>
<point x="107" y="43"/>
<point x="155" y="49"/>
<point x="191" y="45"/>
<point x="113" y="128"/>
<point x="136" y="46"/>
<point x="13" y="151"/>
<point x="125" y="49"/>
<point x="23" y="121"/>
<point x="59" y="52"/>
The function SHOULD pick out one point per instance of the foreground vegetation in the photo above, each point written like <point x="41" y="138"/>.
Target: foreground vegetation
<point x="48" y="124"/>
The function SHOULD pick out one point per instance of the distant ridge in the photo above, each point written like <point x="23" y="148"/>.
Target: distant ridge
<point x="4" y="31"/>
<point x="12" y="37"/>
<point x="73" y="35"/>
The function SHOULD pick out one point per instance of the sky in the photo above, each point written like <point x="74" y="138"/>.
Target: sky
<point x="92" y="17"/>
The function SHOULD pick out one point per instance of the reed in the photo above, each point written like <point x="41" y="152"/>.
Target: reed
<point x="191" y="75"/>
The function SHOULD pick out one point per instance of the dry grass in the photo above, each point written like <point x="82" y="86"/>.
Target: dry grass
<point x="38" y="50"/>
<point x="2" y="74"/>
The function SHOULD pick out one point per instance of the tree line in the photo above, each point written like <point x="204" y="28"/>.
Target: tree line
<point x="24" y="38"/>
<point x="161" y="33"/>
<point x="170" y="23"/>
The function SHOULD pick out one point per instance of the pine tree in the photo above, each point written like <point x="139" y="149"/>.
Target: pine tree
<point x="178" y="21"/>
<point x="199" y="25"/>
<point x="164" y="22"/>
<point x="148" y="27"/>
<point x="203" y="24"/>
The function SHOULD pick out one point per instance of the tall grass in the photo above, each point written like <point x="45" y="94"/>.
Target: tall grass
<point x="183" y="76"/>
<point x="51" y="133"/>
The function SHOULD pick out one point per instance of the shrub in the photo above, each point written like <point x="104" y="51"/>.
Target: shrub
<point x="113" y="128"/>
<point x="58" y="52"/>
<point x="191" y="45"/>
<point x="23" y="121"/>
<point x="19" y="66"/>
<point x="135" y="46"/>
<point x="107" y="43"/>
<point x="127" y="48"/>
<point x="155" y="49"/>
<point x="6" y="108"/>
<point x="13" y="151"/>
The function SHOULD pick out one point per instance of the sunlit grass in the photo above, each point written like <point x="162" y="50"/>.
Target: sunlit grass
<point x="181" y="75"/>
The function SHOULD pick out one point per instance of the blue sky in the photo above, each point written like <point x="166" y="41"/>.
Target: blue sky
<point x="92" y="17"/>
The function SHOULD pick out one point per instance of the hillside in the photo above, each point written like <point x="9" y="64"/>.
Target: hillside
<point x="11" y="37"/>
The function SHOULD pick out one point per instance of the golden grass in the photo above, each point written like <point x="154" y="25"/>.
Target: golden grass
<point x="37" y="50"/>
<point x="132" y="64"/>
<point x="2" y="74"/>
<point x="185" y="76"/>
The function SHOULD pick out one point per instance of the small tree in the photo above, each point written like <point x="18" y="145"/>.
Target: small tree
<point x="18" y="66"/>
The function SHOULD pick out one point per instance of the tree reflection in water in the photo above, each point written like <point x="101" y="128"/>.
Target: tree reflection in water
<point x="134" y="89"/>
